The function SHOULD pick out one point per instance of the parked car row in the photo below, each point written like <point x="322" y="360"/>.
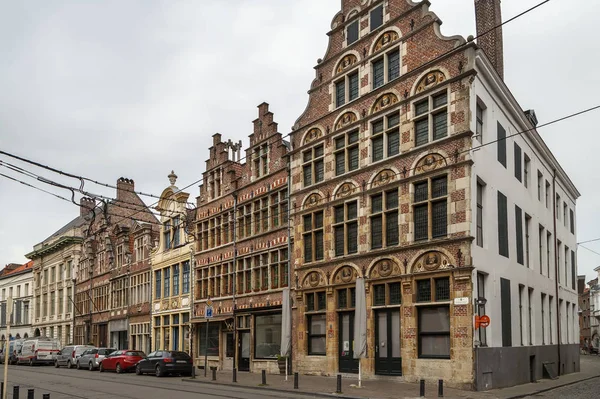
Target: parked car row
<point x="42" y="350"/>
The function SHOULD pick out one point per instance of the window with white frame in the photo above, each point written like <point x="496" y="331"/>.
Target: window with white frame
<point x="346" y="152"/>
<point x="431" y="118"/>
<point x="346" y="88"/>
<point x="479" y="120"/>
<point x="139" y="249"/>
<point x="386" y="68"/>
<point x="385" y="137"/>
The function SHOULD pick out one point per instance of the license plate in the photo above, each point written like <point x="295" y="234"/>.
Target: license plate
<point x="182" y="361"/>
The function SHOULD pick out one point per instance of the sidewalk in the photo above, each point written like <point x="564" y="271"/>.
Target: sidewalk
<point x="388" y="389"/>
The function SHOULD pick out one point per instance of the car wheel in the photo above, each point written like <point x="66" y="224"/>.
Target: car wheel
<point x="101" y="368"/>
<point x="78" y="367"/>
<point x="158" y="371"/>
<point x="56" y="364"/>
<point x="118" y="369"/>
<point x="69" y="364"/>
<point x="91" y="366"/>
<point x="138" y="370"/>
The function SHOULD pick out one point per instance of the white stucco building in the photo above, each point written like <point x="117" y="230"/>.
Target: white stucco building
<point x="16" y="281"/>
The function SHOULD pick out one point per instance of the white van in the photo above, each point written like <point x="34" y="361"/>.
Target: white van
<point x="39" y="350"/>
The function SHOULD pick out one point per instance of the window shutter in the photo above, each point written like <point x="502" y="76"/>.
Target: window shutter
<point x="519" y="227"/>
<point x="505" y="312"/>
<point x="501" y="145"/>
<point x="518" y="166"/>
<point x="502" y="226"/>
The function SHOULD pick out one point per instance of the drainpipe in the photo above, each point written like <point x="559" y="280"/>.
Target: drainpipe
<point x="192" y="282"/>
<point x="289" y="249"/>
<point x="556" y="269"/>
<point x="233" y="305"/>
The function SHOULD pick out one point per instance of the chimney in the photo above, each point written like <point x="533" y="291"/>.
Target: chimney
<point x="86" y="205"/>
<point x="124" y="186"/>
<point x="487" y="17"/>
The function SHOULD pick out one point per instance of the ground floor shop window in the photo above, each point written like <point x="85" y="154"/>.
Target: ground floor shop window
<point x="140" y="337"/>
<point x="267" y="336"/>
<point x="317" y="334"/>
<point x="213" y="340"/>
<point x="434" y="332"/>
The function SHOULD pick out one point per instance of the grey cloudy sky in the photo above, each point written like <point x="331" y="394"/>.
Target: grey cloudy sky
<point x="136" y="88"/>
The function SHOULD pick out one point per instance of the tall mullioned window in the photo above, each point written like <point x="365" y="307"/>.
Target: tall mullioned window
<point x="430" y="208"/>
<point x="431" y="118"/>
<point x="385" y="137"/>
<point x="384" y="219"/>
<point x="313" y="167"/>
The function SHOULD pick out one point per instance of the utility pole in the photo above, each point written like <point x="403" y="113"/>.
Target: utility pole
<point x="235" y="338"/>
<point x="9" y="306"/>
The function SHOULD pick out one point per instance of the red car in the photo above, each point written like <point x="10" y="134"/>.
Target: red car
<point x="121" y="361"/>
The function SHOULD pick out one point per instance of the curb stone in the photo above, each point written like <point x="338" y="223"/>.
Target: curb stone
<point x="520" y="396"/>
<point x="268" y="388"/>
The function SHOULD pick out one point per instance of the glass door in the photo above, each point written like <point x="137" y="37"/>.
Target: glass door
<point x="244" y="351"/>
<point x="388" y="360"/>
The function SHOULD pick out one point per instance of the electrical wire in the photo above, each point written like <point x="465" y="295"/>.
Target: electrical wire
<point x="591" y="250"/>
<point x="587" y="241"/>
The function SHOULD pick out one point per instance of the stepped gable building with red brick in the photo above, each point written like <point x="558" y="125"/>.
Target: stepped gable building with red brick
<point x="380" y="187"/>
<point x="242" y="247"/>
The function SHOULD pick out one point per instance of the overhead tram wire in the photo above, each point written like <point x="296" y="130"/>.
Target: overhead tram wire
<point x="80" y="178"/>
<point x="588" y="241"/>
<point x="591" y="250"/>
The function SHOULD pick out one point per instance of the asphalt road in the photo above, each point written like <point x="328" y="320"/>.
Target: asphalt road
<point x="63" y="383"/>
<point x="582" y="390"/>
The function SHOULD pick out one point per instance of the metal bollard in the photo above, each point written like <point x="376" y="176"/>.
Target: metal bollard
<point x="46" y="396"/>
<point x="2" y="389"/>
<point x="193" y="371"/>
<point x="16" y="392"/>
<point x="422" y="389"/>
<point x="264" y="377"/>
<point x="339" y="384"/>
<point x="295" y="380"/>
<point x="234" y="375"/>
<point x="440" y="388"/>
<point x="214" y="373"/>
<point x="30" y="394"/>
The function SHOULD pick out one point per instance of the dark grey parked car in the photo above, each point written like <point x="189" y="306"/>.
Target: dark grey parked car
<point x="92" y="358"/>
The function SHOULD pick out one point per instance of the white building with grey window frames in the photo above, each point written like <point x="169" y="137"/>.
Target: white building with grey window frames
<point x="525" y="247"/>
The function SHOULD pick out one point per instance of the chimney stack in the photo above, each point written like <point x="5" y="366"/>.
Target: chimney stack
<point x="487" y="17"/>
<point x="86" y="205"/>
<point x="124" y="186"/>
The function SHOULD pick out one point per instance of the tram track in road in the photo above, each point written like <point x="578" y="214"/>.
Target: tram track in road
<point x="130" y="380"/>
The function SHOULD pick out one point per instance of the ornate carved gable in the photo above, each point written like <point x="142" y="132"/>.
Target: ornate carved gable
<point x="313" y="200"/>
<point x="385" y="268"/>
<point x="313" y="279"/>
<point x="384" y="101"/>
<point x="430" y="162"/>
<point x="344" y="275"/>
<point x="431" y="261"/>
<point x="312" y="135"/>
<point x="347" y="62"/>
<point x="345" y="120"/>
<point x="382" y="178"/>
<point x="385" y="40"/>
<point x="430" y="80"/>
<point x="345" y="190"/>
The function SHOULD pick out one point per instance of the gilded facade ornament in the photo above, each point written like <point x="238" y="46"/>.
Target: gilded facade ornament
<point x="385" y="268"/>
<point x="312" y="135"/>
<point x="346" y="62"/>
<point x="384" y="101"/>
<point x="313" y="279"/>
<point x="345" y="275"/>
<point x="345" y="190"/>
<point x="313" y="200"/>
<point x="431" y="261"/>
<point x="430" y="80"/>
<point x="345" y="120"/>
<point x="385" y="40"/>
<point x="430" y="162"/>
<point x="384" y="177"/>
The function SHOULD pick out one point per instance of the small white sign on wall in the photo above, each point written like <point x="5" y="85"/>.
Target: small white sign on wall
<point x="461" y="301"/>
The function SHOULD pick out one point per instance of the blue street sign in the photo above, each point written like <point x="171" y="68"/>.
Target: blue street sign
<point x="208" y="312"/>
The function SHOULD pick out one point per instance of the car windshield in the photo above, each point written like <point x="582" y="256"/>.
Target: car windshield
<point x="135" y="353"/>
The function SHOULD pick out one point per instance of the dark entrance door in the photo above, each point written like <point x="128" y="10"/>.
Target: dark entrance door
<point x="103" y="334"/>
<point x="346" y="344"/>
<point x="244" y="351"/>
<point x="388" y="359"/>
